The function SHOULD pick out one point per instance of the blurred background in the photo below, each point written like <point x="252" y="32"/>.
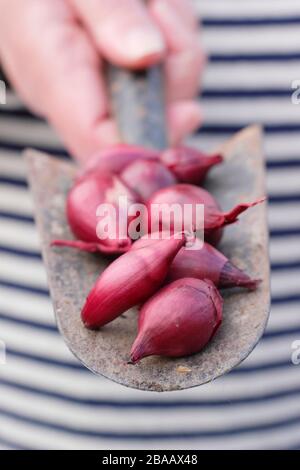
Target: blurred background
<point x="47" y="399"/>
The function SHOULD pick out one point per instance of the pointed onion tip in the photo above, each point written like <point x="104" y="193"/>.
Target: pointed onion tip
<point x="216" y="159"/>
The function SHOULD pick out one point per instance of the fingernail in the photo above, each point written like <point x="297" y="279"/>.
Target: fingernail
<point x="140" y="43"/>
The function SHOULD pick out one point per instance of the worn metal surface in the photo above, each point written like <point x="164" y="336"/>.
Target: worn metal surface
<point x="138" y="104"/>
<point x="72" y="273"/>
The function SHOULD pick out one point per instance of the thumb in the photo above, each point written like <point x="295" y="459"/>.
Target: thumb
<point x="56" y="70"/>
<point x="123" y="30"/>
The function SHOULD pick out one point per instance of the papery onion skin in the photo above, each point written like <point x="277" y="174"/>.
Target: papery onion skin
<point x="189" y="165"/>
<point x="145" y="177"/>
<point x="205" y="263"/>
<point x="128" y="281"/>
<point x="209" y="263"/>
<point x="82" y="203"/>
<point x="214" y="218"/>
<point x="114" y="160"/>
<point x="179" y="320"/>
<point x="83" y="200"/>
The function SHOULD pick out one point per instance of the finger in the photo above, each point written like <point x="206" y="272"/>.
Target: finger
<point x="123" y="31"/>
<point x="185" y="58"/>
<point x="77" y="104"/>
<point x="184" y="117"/>
<point x="181" y="83"/>
<point x="185" y="9"/>
<point x="106" y="134"/>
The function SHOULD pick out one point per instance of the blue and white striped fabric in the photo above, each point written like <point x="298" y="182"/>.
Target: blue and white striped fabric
<point x="47" y="399"/>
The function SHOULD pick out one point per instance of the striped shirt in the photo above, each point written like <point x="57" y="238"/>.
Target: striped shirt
<point x="48" y="400"/>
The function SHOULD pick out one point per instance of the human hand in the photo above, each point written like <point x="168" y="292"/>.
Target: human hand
<point x="52" y="51"/>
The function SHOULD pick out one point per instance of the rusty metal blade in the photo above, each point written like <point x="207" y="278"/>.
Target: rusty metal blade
<point x="71" y="274"/>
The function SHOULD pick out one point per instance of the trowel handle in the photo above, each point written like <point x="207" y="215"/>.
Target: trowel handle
<point x="138" y="105"/>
